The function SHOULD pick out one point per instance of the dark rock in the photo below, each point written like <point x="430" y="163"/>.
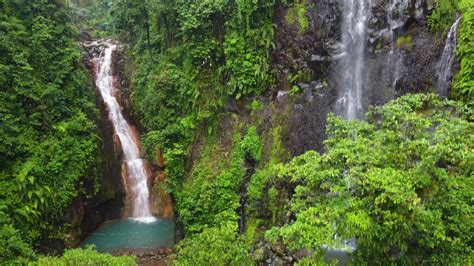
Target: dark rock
<point x="281" y="96"/>
<point x="85" y="36"/>
<point x="301" y="254"/>
<point x="318" y="58"/>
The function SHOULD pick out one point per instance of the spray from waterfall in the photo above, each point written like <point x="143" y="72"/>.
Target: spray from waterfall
<point x="445" y="65"/>
<point x="133" y="168"/>
<point x="352" y="65"/>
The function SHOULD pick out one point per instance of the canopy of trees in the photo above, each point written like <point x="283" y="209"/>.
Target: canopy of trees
<point x="399" y="182"/>
<point x="48" y="140"/>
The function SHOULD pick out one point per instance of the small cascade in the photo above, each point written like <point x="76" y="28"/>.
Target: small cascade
<point x="396" y="18"/>
<point x="445" y="65"/>
<point x="134" y="169"/>
<point x="352" y="65"/>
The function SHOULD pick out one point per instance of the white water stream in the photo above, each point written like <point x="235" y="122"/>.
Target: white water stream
<point x="136" y="174"/>
<point x="354" y="38"/>
<point x="445" y="65"/>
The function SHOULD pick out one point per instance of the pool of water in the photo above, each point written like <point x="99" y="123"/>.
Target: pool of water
<point x="132" y="234"/>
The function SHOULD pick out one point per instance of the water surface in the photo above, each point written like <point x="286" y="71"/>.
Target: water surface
<point x="131" y="234"/>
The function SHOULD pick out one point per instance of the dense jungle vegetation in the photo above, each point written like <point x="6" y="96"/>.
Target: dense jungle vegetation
<point x="400" y="182"/>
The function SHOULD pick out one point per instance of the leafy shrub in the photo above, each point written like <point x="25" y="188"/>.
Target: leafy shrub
<point x="85" y="257"/>
<point x="211" y="197"/>
<point x="252" y="145"/>
<point x="13" y="249"/>
<point x="215" y="246"/>
<point x="256" y="106"/>
<point x="442" y="17"/>
<point x="463" y="85"/>
<point x="297" y="14"/>
<point x="247" y="67"/>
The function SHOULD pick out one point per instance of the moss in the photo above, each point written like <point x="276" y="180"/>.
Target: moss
<point x="278" y="153"/>
<point x="405" y="42"/>
<point x="210" y="196"/>
<point x="252" y="145"/>
<point x="256" y="106"/>
<point x="297" y="14"/>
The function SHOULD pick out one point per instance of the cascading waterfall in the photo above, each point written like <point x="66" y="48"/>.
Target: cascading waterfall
<point x="351" y="74"/>
<point x="136" y="175"/>
<point x="445" y="65"/>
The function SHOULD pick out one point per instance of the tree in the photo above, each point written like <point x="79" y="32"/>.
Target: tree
<point x="49" y="141"/>
<point x="400" y="183"/>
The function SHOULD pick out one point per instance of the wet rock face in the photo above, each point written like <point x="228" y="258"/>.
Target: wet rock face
<point x="402" y="53"/>
<point x="293" y="49"/>
<point x="400" y="57"/>
<point x="307" y="125"/>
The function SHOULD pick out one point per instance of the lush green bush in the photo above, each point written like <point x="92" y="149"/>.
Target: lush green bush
<point x="215" y="246"/>
<point x="443" y="15"/>
<point x="252" y="145"/>
<point x="85" y="257"/>
<point x="463" y="85"/>
<point x="49" y="141"/>
<point x="297" y="14"/>
<point x="211" y="197"/>
<point x="400" y="183"/>
<point x="13" y="249"/>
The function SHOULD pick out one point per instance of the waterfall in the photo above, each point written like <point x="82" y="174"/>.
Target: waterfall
<point x="133" y="168"/>
<point x="351" y="68"/>
<point x="445" y="65"/>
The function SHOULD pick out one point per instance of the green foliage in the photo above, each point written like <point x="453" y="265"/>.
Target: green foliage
<point x="252" y="145"/>
<point x="129" y="18"/>
<point x="211" y="197"/>
<point x="443" y="16"/>
<point x="256" y="106"/>
<point x="258" y="182"/>
<point x="463" y="85"/>
<point x="399" y="183"/>
<point x="85" y="257"/>
<point x="49" y="142"/>
<point x="249" y="73"/>
<point x="92" y="17"/>
<point x="215" y="246"/>
<point x="301" y="76"/>
<point x="297" y="14"/>
<point x="262" y="178"/>
<point x="201" y="53"/>
<point x="13" y="249"/>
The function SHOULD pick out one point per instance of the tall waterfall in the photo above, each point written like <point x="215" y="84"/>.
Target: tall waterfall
<point x="133" y="168"/>
<point x="351" y="67"/>
<point x="445" y="65"/>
